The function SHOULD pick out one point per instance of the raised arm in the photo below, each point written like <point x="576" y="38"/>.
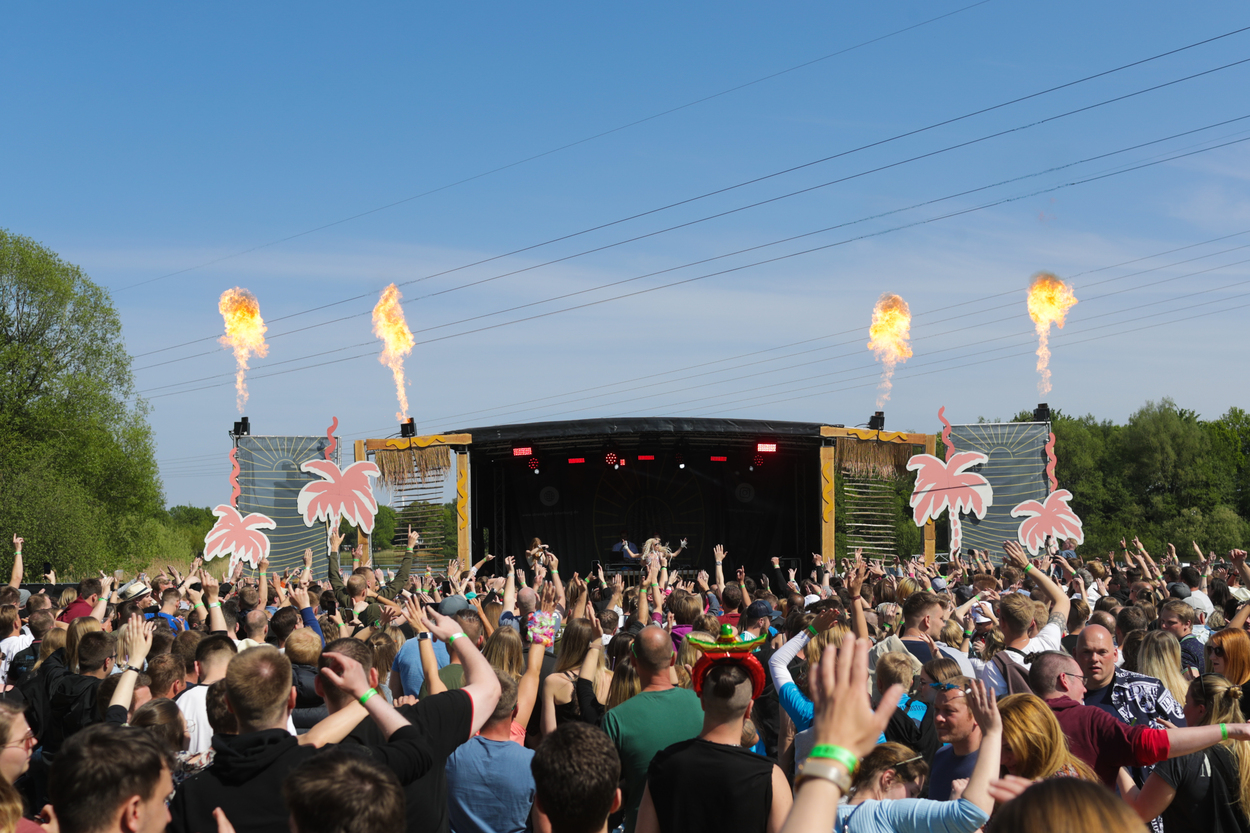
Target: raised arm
<point x="480" y="682"/>
<point x="264" y="583"/>
<point x="15" y="577"/>
<point x="1061" y="603"/>
<point x="555" y="579"/>
<point x="136" y="643"/>
<point x="527" y="689"/>
<point x="509" y="586"/>
<point x="212" y="588"/>
<point x="348" y="675"/>
<point x="718" y="553"/>
<point x="984" y="708"/>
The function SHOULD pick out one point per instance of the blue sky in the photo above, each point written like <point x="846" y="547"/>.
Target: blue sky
<point x="146" y="140"/>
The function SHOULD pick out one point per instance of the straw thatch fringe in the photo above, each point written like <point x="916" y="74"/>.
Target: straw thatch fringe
<point x="868" y="458"/>
<point x="412" y="465"/>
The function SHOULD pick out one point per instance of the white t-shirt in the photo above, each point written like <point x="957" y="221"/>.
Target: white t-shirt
<point x="194" y="707"/>
<point x="11" y="647"/>
<point x="1047" y="639"/>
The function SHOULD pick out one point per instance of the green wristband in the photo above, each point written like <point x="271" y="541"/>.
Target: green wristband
<point x="454" y="637"/>
<point x="197" y="604"/>
<point x="409" y="549"/>
<point x="1224" y="731"/>
<point x="364" y="698"/>
<point x="1028" y="567"/>
<point x="968" y="633"/>
<point x="835" y="753"/>
<point x="214" y="604"/>
<point x="812" y="630"/>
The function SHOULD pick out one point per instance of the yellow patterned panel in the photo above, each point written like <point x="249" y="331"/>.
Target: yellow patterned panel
<point x="401" y="443"/>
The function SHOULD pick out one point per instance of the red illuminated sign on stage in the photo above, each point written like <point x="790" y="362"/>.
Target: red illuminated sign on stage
<point x="646" y="457"/>
<point x="766" y="447"/>
<point x="719" y="459"/>
<point x="522" y="452"/>
<point x="577" y="459"/>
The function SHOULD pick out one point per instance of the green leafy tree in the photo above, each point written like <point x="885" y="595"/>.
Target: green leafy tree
<point x="80" y="481"/>
<point x="384" y="529"/>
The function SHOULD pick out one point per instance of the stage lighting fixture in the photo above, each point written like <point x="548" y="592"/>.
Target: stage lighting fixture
<point x="642" y="457"/>
<point x="1041" y="413"/>
<point x="533" y="464"/>
<point x="768" y="448"/>
<point x="408" y="428"/>
<point x="876" y="422"/>
<point x="242" y="428"/>
<point x="611" y="458"/>
<point x="759" y="460"/>
<point x="716" y="459"/>
<point x="523" y="451"/>
<point x="680" y="459"/>
<point x="576" y="460"/>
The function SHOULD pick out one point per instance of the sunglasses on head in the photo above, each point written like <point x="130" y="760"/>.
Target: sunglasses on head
<point x="948" y="687"/>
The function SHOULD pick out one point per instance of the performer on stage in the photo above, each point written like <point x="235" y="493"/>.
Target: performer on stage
<point x="651" y="547"/>
<point x="538" y="553"/>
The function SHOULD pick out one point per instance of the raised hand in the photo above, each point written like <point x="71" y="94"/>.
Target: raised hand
<point x="843" y="714"/>
<point x="1015" y="555"/>
<point x="414" y="538"/>
<point x="336" y="539"/>
<point x="17" y="543"/>
<point x="441" y="626"/>
<point x="718" y="552"/>
<point x="776" y="562"/>
<point x="825" y="620"/>
<point x="308" y="559"/>
<point x="264" y="564"/>
<point x="138" y="640"/>
<point x="345" y="673"/>
<point x="984" y="708"/>
<point x="299" y="595"/>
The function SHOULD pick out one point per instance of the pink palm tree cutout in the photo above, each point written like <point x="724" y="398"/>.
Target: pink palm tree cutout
<point x="947" y="485"/>
<point x="1053" y="517"/>
<point x="241" y="536"/>
<point x="339" y="494"/>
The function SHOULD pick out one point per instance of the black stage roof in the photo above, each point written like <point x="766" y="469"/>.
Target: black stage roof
<point x="627" y="430"/>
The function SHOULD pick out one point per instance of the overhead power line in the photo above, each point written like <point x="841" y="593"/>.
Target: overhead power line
<point x="742" y="267"/>
<point x="564" y="147"/>
<point x="745" y="183"/>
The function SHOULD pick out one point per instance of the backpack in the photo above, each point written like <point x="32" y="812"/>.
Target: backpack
<point x="1015" y="674"/>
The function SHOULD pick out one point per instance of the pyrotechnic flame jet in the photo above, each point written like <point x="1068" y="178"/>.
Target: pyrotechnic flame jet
<point x="1049" y="302"/>
<point x="245" y="334"/>
<point x="887" y="337"/>
<point x="390" y="326"/>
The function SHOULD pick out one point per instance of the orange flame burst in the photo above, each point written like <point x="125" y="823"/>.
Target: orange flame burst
<point x="887" y="337"/>
<point x="390" y="326"/>
<point x="1049" y="302"/>
<point x="245" y="334"/>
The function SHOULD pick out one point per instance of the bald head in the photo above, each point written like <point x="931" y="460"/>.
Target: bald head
<point x="1096" y="654"/>
<point x="256" y="623"/>
<point x="1047" y="668"/>
<point x="526" y="599"/>
<point x="653" y="650"/>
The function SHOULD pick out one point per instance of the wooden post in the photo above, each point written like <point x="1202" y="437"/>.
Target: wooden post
<point x="930" y="540"/>
<point x="464" y="549"/>
<point x="828" y="459"/>
<point x="362" y="537"/>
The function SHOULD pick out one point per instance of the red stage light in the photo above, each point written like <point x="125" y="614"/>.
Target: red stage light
<point x="576" y="460"/>
<point x="522" y="452"/>
<point x="610" y="458"/>
<point x="642" y="457"/>
<point x="758" y="461"/>
<point x="533" y="463"/>
<point x="719" y="459"/>
<point x="769" y="447"/>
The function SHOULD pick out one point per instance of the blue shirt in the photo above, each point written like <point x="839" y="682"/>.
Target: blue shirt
<point x="408" y="663"/>
<point x="490" y="788"/>
<point x="174" y="624"/>
<point x="948" y="767"/>
<point x="910" y="815"/>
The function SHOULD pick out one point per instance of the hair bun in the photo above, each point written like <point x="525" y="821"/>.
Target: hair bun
<point x="1234" y="691"/>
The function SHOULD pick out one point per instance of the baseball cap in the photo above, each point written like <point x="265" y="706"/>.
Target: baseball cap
<point x="979" y="617"/>
<point x="452" y="605"/>
<point x="1177" y="590"/>
<point x="810" y="599"/>
<point x="23" y="596"/>
<point x="938" y="583"/>
<point x="758" y="610"/>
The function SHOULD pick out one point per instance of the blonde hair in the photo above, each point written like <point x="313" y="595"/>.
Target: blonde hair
<point x="1222" y="701"/>
<point x="78" y="628"/>
<point x="995" y="643"/>
<point x="503" y="651"/>
<point x="1032" y="733"/>
<point x="825" y="639"/>
<point x="1160" y="657"/>
<point x="574" y="643"/>
<point x="906" y="587"/>
<point x="1066" y="804"/>
<point x="625" y="684"/>
<point x="54" y="640"/>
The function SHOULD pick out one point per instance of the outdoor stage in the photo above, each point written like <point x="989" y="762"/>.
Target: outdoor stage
<point x="764" y="489"/>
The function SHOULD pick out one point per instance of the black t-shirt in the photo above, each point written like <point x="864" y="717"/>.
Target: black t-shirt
<point x="697" y="785"/>
<point x="444" y="722"/>
<point x="1204" y="799"/>
<point x="1101" y="697"/>
<point x="919" y="650"/>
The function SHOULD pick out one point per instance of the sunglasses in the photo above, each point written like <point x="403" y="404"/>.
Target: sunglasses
<point x="948" y="687"/>
<point x="1217" y="650"/>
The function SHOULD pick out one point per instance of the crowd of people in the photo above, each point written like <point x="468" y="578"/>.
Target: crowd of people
<point x="1056" y="692"/>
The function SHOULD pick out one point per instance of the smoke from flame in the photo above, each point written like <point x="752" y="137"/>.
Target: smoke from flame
<point x="1049" y="302"/>
<point x="390" y="326"/>
<point x="245" y="334"/>
<point x="887" y="337"/>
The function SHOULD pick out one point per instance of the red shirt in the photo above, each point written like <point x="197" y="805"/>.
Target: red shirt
<point x="730" y="619"/>
<point x="78" y="607"/>
<point x="1107" y="744"/>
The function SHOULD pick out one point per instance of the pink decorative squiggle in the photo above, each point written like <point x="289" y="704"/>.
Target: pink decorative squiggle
<point x="1050" y="466"/>
<point x="234" y="478"/>
<point x="334" y="424"/>
<point x="946" y="433"/>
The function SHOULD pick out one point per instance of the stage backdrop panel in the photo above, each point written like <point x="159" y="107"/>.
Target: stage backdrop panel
<point x="1016" y="470"/>
<point x="270" y="482"/>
